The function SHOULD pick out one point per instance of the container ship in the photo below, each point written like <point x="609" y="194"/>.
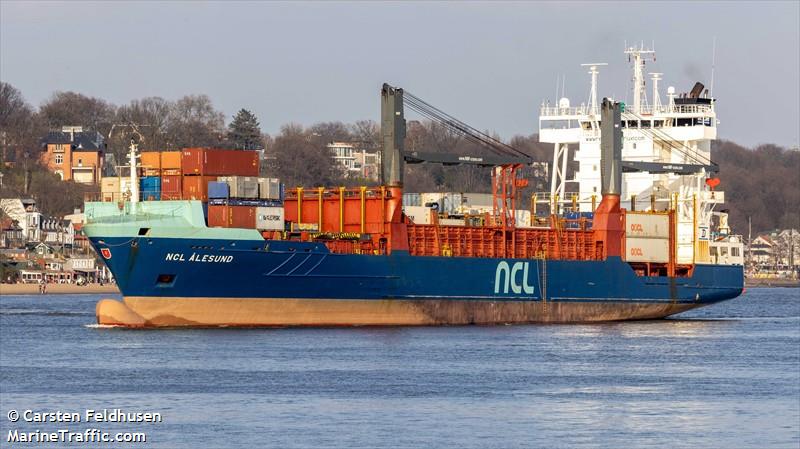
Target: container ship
<point x="636" y="239"/>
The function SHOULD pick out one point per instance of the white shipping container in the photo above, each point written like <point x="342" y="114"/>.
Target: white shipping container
<point x="452" y="222"/>
<point x="643" y="224"/>
<point x="447" y="202"/>
<point x="269" y="188"/>
<point x="477" y="199"/>
<point x="418" y="214"/>
<point x="269" y="218"/>
<point x="646" y="250"/>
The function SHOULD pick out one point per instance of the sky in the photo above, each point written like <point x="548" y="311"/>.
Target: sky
<point x="489" y="64"/>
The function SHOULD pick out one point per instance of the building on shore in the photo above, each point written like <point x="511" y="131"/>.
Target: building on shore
<point x="75" y="154"/>
<point x="356" y="162"/>
<point x="775" y="253"/>
<point x="36" y="247"/>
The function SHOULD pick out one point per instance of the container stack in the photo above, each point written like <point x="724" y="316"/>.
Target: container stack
<point x="203" y="165"/>
<point x="160" y="175"/>
<point x="150" y="188"/>
<point x="246" y="202"/>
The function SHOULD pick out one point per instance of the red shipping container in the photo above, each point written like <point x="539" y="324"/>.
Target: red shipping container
<point x="196" y="187"/>
<point x="171" y="187"/>
<point x="232" y="216"/>
<point x="217" y="162"/>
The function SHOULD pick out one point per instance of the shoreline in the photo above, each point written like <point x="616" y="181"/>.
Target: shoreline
<point x="770" y="282"/>
<point x="57" y="289"/>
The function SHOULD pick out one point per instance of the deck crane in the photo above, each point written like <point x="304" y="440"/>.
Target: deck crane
<point x="505" y="159"/>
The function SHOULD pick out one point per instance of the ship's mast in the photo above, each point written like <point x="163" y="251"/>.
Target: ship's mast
<point x="133" y="155"/>
<point x="656" y="98"/>
<point x="639" y="55"/>
<point x="593" y="93"/>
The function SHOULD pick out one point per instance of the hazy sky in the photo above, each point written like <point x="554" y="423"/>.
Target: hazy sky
<point x="489" y="64"/>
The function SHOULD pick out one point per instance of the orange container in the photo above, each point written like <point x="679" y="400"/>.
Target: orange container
<point x="218" y="162"/>
<point x="171" y="160"/>
<point x="232" y="216"/>
<point x="171" y="187"/>
<point x="196" y="187"/>
<point x="151" y="160"/>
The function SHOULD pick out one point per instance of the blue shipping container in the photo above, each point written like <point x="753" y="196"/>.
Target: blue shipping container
<point x="218" y="189"/>
<point x="150" y="188"/>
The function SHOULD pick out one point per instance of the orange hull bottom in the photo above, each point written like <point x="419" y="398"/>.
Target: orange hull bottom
<point x="151" y="312"/>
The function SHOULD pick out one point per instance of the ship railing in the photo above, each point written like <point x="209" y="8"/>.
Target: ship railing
<point x="554" y="112"/>
<point x="113" y="197"/>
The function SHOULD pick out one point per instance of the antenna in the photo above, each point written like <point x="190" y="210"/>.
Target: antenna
<point x="713" y="63"/>
<point x="656" y="98"/>
<point x="639" y="56"/>
<point x="563" y="83"/>
<point x="593" y="93"/>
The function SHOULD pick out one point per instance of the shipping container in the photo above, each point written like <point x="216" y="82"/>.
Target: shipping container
<point x="109" y="184"/>
<point x="218" y="189"/>
<point x="412" y="199"/>
<point x="477" y="199"/>
<point x="218" y="162"/>
<point x="418" y="214"/>
<point x="444" y="202"/>
<point x="241" y="186"/>
<point x="170" y="160"/>
<point x="109" y="189"/>
<point x="269" y="188"/>
<point x="269" y="218"/>
<point x="647" y="250"/>
<point x="150" y="188"/>
<point x="645" y="224"/>
<point x="232" y="216"/>
<point x="150" y="160"/>
<point x="171" y="187"/>
<point x="196" y="187"/>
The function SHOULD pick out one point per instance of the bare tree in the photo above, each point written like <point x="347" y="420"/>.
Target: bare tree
<point x="71" y="108"/>
<point x="20" y="131"/>
<point x="299" y="159"/>
<point x="193" y="122"/>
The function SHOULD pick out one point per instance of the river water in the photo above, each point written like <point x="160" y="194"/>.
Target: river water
<point x="723" y="376"/>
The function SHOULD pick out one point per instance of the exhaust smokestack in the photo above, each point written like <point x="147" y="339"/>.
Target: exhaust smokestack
<point x="610" y="147"/>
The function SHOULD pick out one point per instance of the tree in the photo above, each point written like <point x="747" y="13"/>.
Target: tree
<point x="299" y="159"/>
<point x="20" y="131"/>
<point x="74" y="109"/>
<point x="244" y="131"/>
<point x="193" y="122"/>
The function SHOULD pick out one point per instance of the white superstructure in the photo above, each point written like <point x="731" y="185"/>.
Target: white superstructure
<point x="676" y="131"/>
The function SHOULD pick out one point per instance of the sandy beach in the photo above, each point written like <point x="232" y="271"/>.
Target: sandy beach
<point x="33" y="289"/>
